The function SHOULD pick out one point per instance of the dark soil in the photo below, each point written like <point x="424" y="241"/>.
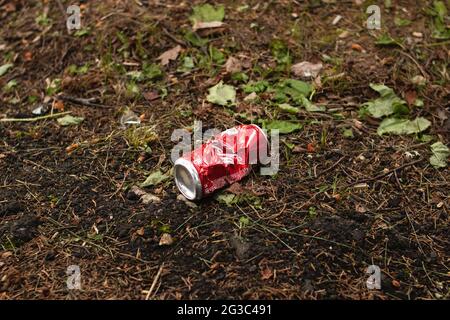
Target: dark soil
<point x="322" y="220"/>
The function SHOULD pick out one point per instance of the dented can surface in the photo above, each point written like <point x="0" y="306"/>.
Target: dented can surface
<point x="225" y="159"/>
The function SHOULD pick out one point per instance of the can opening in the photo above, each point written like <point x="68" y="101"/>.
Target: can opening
<point x="187" y="179"/>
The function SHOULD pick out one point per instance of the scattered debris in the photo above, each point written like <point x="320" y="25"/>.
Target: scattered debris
<point x="207" y="25"/>
<point x="145" y="197"/>
<point x="165" y="240"/>
<point x="233" y="65"/>
<point x="129" y="117"/>
<point x="306" y="69"/>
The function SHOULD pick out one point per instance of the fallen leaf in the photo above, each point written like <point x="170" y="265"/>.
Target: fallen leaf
<point x="207" y="13"/>
<point x="236" y="188"/>
<point x="284" y="127"/>
<point x="165" y="240"/>
<point x="186" y="201"/>
<point x="69" y="120"/>
<point x="357" y="47"/>
<point x="396" y="283"/>
<point x="198" y="25"/>
<point x="310" y="148"/>
<point x="140" y="231"/>
<point x="6" y="254"/>
<point x="58" y="105"/>
<point x="28" y="56"/>
<point x="154" y="178"/>
<point x="288" y="108"/>
<point x="410" y="97"/>
<point x="266" y="273"/>
<point x="403" y="126"/>
<point x="151" y="95"/>
<point x="251" y="96"/>
<point x="418" y="80"/>
<point x="360" y="208"/>
<point x="171" y="54"/>
<point x="4" y="68"/>
<point x="388" y="103"/>
<point x="306" y="69"/>
<point x="233" y="65"/>
<point x="72" y="147"/>
<point x="440" y="154"/>
<point x="222" y="94"/>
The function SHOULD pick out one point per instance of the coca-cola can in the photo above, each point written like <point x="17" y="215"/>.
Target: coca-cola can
<point x="225" y="159"/>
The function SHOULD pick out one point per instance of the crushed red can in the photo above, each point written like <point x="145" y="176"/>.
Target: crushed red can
<point x="225" y="159"/>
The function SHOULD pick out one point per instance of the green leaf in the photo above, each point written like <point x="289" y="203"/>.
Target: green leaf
<point x="387" y="104"/>
<point x="207" y="13"/>
<point x="284" y="127"/>
<point x="82" y="32"/>
<point x="4" y="68"/>
<point x="280" y="51"/>
<point x="154" y="179"/>
<point x="288" y="108"/>
<point x="400" y="22"/>
<point x="309" y="106"/>
<point x="403" y="126"/>
<point x="440" y="31"/>
<point x="227" y="198"/>
<point x="216" y="55"/>
<point x="348" y="133"/>
<point x="239" y="76"/>
<point x="440" y="154"/>
<point x="53" y="87"/>
<point x="151" y="71"/>
<point x="222" y="94"/>
<point x="10" y="85"/>
<point x="257" y="87"/>
<point x="188" y="65"/>
<point x="387" y="40"/>
<point x="295" y="89"/>
<point x="243" y="221"/>
<point x="195" y="39"/>
<point x="69" y="120"/>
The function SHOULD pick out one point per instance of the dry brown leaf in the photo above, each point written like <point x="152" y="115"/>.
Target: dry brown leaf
<point x="357" y="47"/>
<point x="266" y="273"/>
<point x="207" y="25"/>
<point x="58" y="105"/>
<point x="410" y="97"/>
<point x="306" y="69"/>
<point x="171" y="54"/>
<point x="140" y="231"/>
<point x="27" y="56"/>
<point x="396" y="283"/>
<point x="360" y="208"/>
<point x="233" y="65"/>
<point x="236" y="188"/>
<point x="72" y="147"/>
<point x="151" y="95"/>
<point x="166" y="240"/>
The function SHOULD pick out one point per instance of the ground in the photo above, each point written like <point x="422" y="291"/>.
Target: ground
<point x="341" y="201"/>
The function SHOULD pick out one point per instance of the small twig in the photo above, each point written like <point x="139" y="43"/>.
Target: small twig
<point x="82" y="101"/>
<point x="415" y="62"/>
<point x="386" y="173"/>
<point x="155" y="280"/>
<point x="54" y="115"/>
<point x="171" y="36"/>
